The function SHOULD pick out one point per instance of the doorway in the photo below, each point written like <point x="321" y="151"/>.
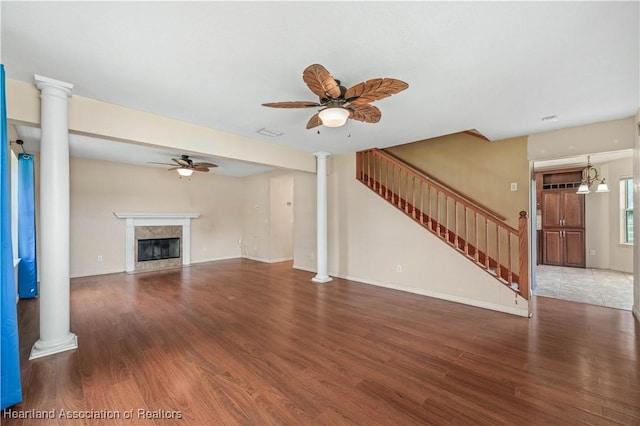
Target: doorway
<point x="281" y="214"/>
<point x="606" y="277"/>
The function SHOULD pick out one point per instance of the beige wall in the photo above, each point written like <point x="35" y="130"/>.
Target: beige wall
<point x="597" y="221"/>
<point x="256" y="230"/>
<point x="273" y="231"/>
<point x="615" y="135"/>
<point x="281" y="212"/>
<point x="100" y="188"/>
<point x="95" y="118"/>
<point x="476" y="168"/>
<point x="603" y="220"/>
<point x="304" y="222"/>
<point x="369" y="238"/>
<point x="229" y="225"/>
<point x="621" y="255"/>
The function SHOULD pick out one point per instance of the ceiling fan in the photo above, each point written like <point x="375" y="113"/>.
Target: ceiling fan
<point x="186" y="166"/>
<point x="340" y="103"/>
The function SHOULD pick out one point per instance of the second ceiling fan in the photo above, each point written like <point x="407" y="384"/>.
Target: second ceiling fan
<point x="340" y="103"/>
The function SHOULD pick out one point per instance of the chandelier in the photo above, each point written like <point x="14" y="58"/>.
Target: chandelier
<point x="590" y="175"/>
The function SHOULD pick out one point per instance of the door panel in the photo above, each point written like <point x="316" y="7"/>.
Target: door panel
<point x="572" y="205"/>
<point x="551" y="209"/>
<point x="553" y="249"/>
<point x="574" y="248"/>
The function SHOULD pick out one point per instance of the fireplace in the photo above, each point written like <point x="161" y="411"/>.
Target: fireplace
<point x="157" y="226"/>
<point x="158" y="249"/>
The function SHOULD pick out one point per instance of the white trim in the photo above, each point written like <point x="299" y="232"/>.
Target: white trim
<point x="304" y="268"/>
<point x="442" y="296"/>
<point x="215" y="259"/>
<point x="281" y="259"/>
<point x="16" y="261"/>
<point x="67" y="343"/>
<point x="156" y="215"/>
<point x="428" y="293"/>
<point x="260" y="259"/>
<point x="156" y="219"/>
<point x="257" y="259"/>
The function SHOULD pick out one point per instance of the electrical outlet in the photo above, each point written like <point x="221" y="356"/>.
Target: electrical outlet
<point x="399" y="268"/>
<point x="592" y="252"/>
<point x="514" y="186"/>
<point x="99" y="258"/>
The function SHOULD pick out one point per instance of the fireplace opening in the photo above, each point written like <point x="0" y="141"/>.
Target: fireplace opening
<point x="158" y="249"/>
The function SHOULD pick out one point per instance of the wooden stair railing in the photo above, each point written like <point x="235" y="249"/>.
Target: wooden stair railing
<point x="471" y="229"/>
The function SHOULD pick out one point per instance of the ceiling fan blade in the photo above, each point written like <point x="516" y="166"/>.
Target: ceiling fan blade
<point x="292" y="104"/>
<point x="373" y="90"/>
<point x="365" y="112"/>
<point x="204" y="165"/>
<point x="320" y="81"/>
<point x="200" y="169"/>
<point x="181" y="162"/>
<point x="164" y="164"/>
<point x="314" y="121"/>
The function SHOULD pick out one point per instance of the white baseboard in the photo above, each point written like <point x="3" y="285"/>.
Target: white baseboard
<point x="281" y="259"/>
<point x="443" y="296"/>
<point x="428" y="293"/>
<point x="259" y="259"/>
<point x="304" y="268"/>
<point x="215" y="259"/>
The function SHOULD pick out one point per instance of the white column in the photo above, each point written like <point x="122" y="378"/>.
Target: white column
<point x="54" y="220"/>
<point x="322" y="276"/>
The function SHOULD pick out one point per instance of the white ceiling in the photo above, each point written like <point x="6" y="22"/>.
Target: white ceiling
<point x="497" y="67"/>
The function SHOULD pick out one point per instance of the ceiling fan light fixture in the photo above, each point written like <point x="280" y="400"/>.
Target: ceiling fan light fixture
<point x="334" y="116"/>
<point x="183" y="171"/>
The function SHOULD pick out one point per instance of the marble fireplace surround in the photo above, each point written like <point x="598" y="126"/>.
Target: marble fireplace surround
<point x="133" y="220"/>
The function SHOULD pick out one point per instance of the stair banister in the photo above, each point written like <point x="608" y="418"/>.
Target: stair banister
<point x="398" y="183"/>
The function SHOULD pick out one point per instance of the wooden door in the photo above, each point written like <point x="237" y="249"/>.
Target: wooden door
<point x="572" y="208"/>
<point x="574" y="251"/>
<point x="563" y="228"/>
<point x="553" y="250"/>
<point x="551" y="212"/>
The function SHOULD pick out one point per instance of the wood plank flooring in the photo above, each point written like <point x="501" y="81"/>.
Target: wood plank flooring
<point x="243" y="342"/>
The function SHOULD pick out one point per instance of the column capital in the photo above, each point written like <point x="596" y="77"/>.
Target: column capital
<point x="322" y="154"/>
<point x="46" y="82"/>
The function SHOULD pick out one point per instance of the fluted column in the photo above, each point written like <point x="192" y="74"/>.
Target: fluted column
<point x="55" y="335"/>
<point x="322" y="275"/>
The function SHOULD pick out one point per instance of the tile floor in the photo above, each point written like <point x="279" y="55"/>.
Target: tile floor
<point x="602" y="287"/>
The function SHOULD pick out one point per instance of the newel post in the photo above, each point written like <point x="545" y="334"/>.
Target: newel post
<point x="359" y="165"/>
<point x="523" y="253"/>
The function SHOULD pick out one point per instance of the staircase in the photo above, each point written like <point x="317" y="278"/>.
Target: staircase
<point x="474" y="231"/>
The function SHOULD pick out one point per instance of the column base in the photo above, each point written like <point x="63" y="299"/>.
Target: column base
<point x="322" y="280"/>
<point x="41" y="349"/>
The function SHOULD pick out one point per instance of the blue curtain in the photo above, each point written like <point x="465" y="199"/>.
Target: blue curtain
<point x="10" y="386"/>
<point x="27" y="269"/>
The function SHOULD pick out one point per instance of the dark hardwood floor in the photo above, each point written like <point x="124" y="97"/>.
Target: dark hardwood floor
<point x="243" y="342"/>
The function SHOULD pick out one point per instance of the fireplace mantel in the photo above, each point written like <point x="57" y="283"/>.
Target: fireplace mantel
<point x="156" y="215"/>
<point x="156" y="219"/>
